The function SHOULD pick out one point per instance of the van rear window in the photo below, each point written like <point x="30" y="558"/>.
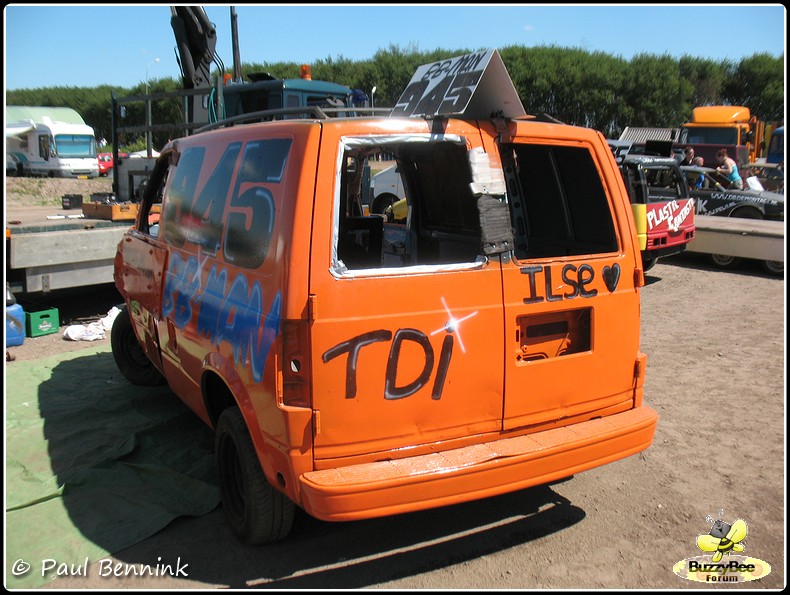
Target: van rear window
<point x="558" y="204"/>
<point x="438" y="221"/>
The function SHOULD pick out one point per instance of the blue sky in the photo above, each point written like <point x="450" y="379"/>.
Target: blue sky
<point x="80" y="45"/>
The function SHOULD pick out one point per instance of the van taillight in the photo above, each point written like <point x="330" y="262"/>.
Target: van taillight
<point x="295" y="364"/>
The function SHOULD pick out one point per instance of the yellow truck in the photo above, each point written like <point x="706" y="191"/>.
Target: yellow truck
<point x="731" y="127"/>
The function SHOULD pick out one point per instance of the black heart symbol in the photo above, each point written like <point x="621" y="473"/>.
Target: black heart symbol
<point x="611" y="275"/>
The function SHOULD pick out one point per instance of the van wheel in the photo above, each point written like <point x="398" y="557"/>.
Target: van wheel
<point x="256" y="512"/>
<point x="648" y="262"/>
<point x="725" y="262"/>
<point x="381" y="203"/>
<point x="129" y="355"/>
<point x="775" y="267"/>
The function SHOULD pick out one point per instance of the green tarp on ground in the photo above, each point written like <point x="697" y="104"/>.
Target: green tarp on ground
<point x="95" y="464"/>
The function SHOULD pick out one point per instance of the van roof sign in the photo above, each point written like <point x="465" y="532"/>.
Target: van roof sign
<point x="471" y="86"/>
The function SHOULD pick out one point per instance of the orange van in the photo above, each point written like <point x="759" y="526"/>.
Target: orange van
<point x="358" y="368"/>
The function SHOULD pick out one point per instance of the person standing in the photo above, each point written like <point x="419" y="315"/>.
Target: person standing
<point x="688" y="156"/>
<point x="699" y="181"/>
<point x="729" y="168"/>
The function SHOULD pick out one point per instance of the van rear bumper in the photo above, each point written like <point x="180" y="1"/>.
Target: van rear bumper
<point x="438" y="479"/>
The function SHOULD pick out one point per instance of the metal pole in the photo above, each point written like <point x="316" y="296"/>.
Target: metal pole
<point x="148" y="112"/>
<point x="114" y="137"/>
<point x="234" y="30"/>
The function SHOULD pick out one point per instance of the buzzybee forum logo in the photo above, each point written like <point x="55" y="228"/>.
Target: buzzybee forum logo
<point x="719" y="564"/>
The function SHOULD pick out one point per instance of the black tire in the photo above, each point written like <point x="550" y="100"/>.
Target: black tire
<point x="381" y="202"/>
<point x="648" y="261"/>
<point x="775" y="267"/>
<point x="747" y="213"/>
<point x="724" y="262"/>
<point x="255" y="511"/>
<point x="129" y="355"/>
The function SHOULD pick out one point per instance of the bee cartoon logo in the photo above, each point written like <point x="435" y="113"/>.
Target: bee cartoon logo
<point x="723" y="538"/>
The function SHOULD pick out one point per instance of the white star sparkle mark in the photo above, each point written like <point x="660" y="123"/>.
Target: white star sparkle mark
<point x="453" y="325"/>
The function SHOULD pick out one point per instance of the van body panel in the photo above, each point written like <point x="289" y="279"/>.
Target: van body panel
<point x="482" y="470"/>
<point x="143" y="262"/>
<point x="395" y="372"/>
<point x="561" y="349"/>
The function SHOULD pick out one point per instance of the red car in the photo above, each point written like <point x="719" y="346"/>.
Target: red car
<point x="106" y="163"/>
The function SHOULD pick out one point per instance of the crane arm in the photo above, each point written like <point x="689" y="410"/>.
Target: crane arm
<point x="196" y="39"/>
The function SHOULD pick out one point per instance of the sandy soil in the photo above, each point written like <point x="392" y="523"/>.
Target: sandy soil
<point x="716" y="374"/>
<point x="28" y="192"/>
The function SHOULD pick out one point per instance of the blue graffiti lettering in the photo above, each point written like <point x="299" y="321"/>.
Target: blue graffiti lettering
<point x="269" y="332"/>
<point x="182" y="284"/>
<point x="211" y="302"/>
<point x="234" y="315"/>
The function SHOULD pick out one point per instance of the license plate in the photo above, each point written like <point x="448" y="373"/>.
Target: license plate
<point x="83" y="177"/>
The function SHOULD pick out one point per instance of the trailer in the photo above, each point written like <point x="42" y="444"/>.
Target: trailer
<point x="51" y="142"/>
<point x="729" y="239"/>
<point x="50" y="249"/>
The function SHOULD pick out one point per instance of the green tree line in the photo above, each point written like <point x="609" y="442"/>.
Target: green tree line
<point x="574" y="86"/>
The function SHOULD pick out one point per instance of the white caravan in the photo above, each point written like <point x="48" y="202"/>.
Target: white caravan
<point x="51" y="141"/>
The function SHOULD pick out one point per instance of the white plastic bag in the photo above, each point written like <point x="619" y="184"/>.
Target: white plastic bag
<point x="93" y="331"/>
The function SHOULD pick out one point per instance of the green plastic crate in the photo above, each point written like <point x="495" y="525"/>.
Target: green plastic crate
<point x="40" y="323"/>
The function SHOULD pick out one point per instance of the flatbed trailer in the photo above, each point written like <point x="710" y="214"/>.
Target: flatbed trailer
<point x="49" y="249"/>
<point x="758" y="239"/>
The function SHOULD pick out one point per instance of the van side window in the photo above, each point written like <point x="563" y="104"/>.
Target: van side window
<point x="210" y="204"/>
<point x="180" y="194"/>
<point x="251" y="213"/>
<point x="150" y="208"/>
<point x="438" y="223"/>
<point x="198" y="220"/>
<point x="558" y="203"/>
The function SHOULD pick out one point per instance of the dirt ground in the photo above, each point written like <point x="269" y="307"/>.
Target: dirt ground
<point x="715" y="342"/>
<point x="30" y="192"/>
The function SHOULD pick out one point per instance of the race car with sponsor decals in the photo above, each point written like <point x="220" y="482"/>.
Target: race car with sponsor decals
<point x="713" y="196"/>
<point x="663" y="208"/>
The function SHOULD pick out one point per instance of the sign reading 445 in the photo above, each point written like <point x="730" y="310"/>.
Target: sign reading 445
<point x="470" y="86"/>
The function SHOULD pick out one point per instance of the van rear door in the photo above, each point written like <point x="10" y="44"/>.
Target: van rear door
<point x="406" y="328"/>
<point x="570" y="305"/>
